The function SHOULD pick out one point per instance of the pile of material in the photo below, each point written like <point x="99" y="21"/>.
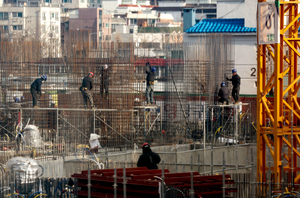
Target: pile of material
<point x="143" y="183"/>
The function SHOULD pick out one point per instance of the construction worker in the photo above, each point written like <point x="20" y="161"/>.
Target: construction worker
<point x="87" y="85"/>
<point x="35" y="90"/>
<point x="150" y="82"/>
<point x="223" y="94"/>
<point x="236" y="82"/>
<point x="148" y="158"/>
<point x="105" y="78"/>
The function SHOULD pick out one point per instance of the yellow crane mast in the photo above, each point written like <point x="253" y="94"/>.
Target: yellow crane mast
<point x="280" y="138"/>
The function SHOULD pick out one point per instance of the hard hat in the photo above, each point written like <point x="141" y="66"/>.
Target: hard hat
<point x="223" y="84"/>
<point x="145" y="144"/>
<point x="153" y="69"/>
<point x="234" y="71"/>
<point x="17" y="100"/>
<point x="105" y="66"/>
<point x="92" y="74"/>
<point x="22" y="98"/>
<point x="136" y="99"/>
<point x="44" y="77"/>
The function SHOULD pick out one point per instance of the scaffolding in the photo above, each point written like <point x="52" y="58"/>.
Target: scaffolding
<point x="187" y="79"/>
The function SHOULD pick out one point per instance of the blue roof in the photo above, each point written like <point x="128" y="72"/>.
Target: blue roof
<point x="221" y="26"/>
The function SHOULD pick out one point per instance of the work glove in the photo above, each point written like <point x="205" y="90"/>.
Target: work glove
<point x="227" y="78"/>
<point x="39" y="93"/>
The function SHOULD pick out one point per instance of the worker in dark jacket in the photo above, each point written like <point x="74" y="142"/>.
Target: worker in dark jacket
<point x="87" y="85"/>
<point x="150" y="82"/>
<point x="223" y="94"/>
<point x="148" y="158"/>
<point x="236" y="82"/>
<point x="36" y="90"/>
<point x="105" y="78"/>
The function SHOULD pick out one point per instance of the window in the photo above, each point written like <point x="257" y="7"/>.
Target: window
<point x="3" y="15"/>
<point x="17" y="27"/>
<point x="88" y="1"/>
<point x="17" y="14"/>
<point x="82" y="1"/>
<point x="92" y="1"/>
<point x="56" y="16"/>
<point x="44" y="16"/>
<point x="106" y="25"/>
<point x="52" y="15"/>
<point x="52" y="28"/>
<point x="4" y="28"/>
<point x="133" y="21"/>
<point x="98" y="1"/>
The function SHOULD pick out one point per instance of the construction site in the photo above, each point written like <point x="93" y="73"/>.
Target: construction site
<point x="207" y="149"/>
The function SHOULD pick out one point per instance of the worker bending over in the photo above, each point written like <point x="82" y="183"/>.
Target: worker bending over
<point x="150" y="82"/>
<point x="236" y="82"/>
<point x="223" y="94"/>
<point x="35" y="90"/>
<point x="148" y="158"/>
<point x="87" y="86"/>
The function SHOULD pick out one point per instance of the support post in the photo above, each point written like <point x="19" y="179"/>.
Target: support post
<point x="124" y="181"/>
<point x="192" y="193"/>
<point x="89" y="181"/>
<point x="163" y="179"/>
<point x="115" y="183"/>
<point x="224" y="187"/>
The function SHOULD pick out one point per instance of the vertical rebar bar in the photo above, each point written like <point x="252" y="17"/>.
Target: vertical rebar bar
<point x="191" y="163"/>
<point x="198" y="163"/>
<point x="270" y="180"/>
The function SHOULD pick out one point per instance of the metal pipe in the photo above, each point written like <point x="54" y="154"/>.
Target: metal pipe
<point x="191" y="163"/>
<point x="124" y="181"/>
<point x="89" y="181"/>
<point x="292" y="148"/>
<point x="163" y="179"/>
<point x="192" y="193"/>
<point x="252" y="174"/>
<point x="115" y="183"/>
<point x="224" y="187"/>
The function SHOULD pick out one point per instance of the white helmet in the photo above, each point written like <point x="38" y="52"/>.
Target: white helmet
<point x="105" y="66"/>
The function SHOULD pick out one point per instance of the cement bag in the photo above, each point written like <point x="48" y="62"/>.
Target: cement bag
<point x="24" y="169"/>
<point x="32" y="136"/>
<point x="94" y="142"/>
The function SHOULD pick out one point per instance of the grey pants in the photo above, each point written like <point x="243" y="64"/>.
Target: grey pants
<point x="87" y="95"/>
<point x="149" y="92"/>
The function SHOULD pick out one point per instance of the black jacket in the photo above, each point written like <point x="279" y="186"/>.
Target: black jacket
<point x="150" y="75"/>
<point x="148" y="159"/>
<point x="105" y="76"/>
<point x="224" y="92"/>
<point x="87" y="82"/>
<point x="37" y="84"/>
<point x="236" y="80"/>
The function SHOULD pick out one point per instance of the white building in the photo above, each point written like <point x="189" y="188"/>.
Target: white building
<point x="32" y="23"/>
<point x="239" y="20"/>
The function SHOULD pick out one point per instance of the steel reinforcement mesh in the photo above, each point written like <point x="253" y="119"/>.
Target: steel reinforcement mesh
<point x="188" y="76"/>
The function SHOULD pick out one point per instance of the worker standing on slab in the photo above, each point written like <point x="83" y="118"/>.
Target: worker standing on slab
<point x="150" y="83"/>
<point x="223" y="94"/>
<point x="36" y="91"/>
<point x="105" y="78"/>
<point x="236" y="82"/>
<point x="87" y="86"/>
<point x="148" y="159"/>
